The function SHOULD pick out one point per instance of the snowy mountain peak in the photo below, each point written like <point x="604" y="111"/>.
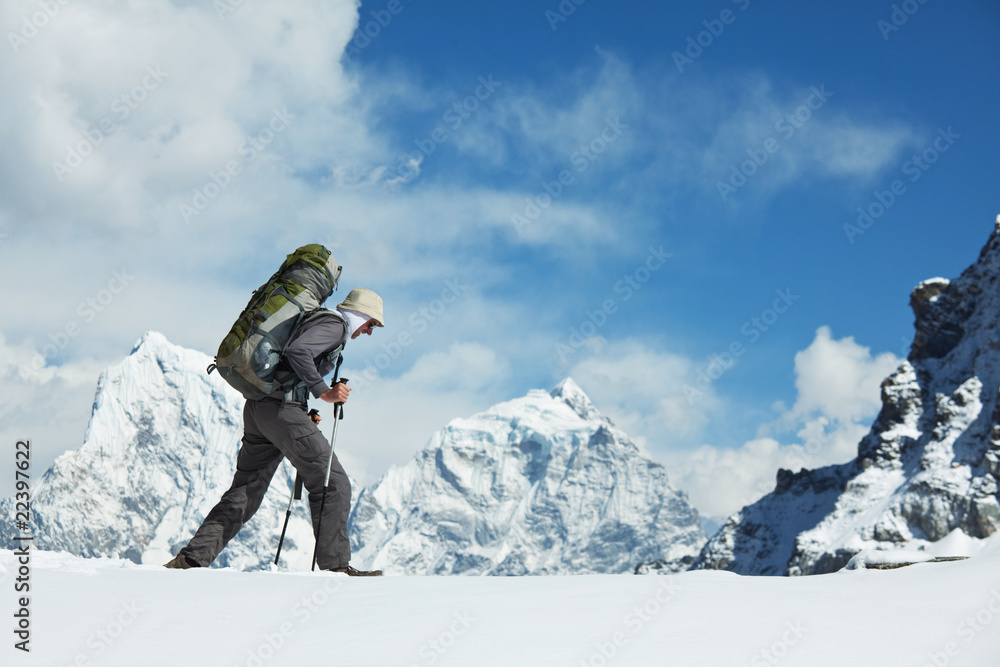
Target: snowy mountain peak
<point x="541" y="484"/>
<point x="152" y="341"/>
<point x="158" y="452"/>
<point x="570" y="392"/>
<point x="955" y="317"/>
<point x="929" y="465"/>
<point x="154" y="350"/>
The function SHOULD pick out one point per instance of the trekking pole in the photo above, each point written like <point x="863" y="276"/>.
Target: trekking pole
<point x="297" y="488"/>
<point x="296" y="495"/>
<point x="338" y="414"/>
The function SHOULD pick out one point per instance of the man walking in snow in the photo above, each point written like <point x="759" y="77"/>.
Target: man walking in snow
<point x="278" y="426"/>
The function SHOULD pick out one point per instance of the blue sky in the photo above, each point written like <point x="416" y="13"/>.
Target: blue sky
<point x="497" y="277"/>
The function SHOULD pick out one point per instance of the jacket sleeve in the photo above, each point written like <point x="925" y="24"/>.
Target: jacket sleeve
<point x="303" y="351"/>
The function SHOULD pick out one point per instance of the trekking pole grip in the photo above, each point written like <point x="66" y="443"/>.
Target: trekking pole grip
<point x="338" y="408"/>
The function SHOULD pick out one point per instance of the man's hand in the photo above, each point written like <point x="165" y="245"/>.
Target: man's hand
<point x="336" y="394"/>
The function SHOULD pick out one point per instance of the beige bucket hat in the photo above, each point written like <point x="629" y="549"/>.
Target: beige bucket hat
<point x="365" y="302"/>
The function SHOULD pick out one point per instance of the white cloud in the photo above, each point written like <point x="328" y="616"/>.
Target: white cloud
<point x="208" y="83"/>
<point x="49" y="406"/>
<point x="190" y="90"/>
<point x="769" y="140"/>
<point x="642" y="390"/>
<point x="547" y="129"/>
<point x="389" y="419"/>
<point x="465" y="367"/>
<point x="540" y="131"/>
<point x="720" y="481"/>
<point x="838" y="384"/>
<point x="839" y="379"/>
<point x="849" y="149"/>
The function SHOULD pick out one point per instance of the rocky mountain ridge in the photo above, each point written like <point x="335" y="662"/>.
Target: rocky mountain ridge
<point x="542" y="484"/>
<point x="928" y="466"/>
<point x="158" y="452"/>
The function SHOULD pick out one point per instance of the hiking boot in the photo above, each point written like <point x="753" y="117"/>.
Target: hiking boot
<point x="351" y="572"/>
<point x="181" y="562"/>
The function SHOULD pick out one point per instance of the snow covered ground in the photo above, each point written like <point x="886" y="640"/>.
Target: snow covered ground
<point x="101" y="612"/>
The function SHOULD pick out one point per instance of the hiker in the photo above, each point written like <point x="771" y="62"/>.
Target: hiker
<point x="278" y="426"/>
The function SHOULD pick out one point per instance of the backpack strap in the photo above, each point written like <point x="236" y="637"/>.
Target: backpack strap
<point x="290" y="386"/>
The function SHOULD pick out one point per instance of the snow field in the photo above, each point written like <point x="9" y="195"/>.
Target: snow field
<point x="106" y="612"/>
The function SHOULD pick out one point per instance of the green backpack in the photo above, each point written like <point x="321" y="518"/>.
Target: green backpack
<point x="248" y="356"/>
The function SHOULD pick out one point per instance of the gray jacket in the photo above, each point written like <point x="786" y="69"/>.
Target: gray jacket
<point x="310" y="354"/>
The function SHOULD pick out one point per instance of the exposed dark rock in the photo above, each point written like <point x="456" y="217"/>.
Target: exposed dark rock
<point x="928" y="466"/>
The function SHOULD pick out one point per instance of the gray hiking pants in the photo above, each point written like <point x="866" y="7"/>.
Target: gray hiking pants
<point x="270" y="433"/>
